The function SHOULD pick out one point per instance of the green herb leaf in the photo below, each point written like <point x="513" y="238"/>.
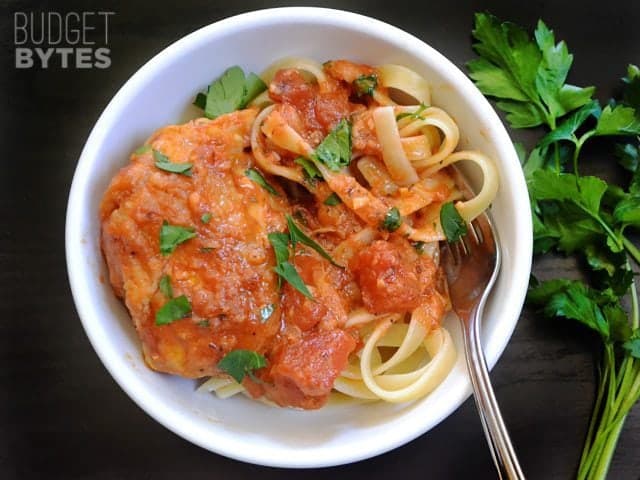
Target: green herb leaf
<point x="631" y="95"/>
<point x="419" y="247"/>
<point x="633" y="346"/>
<point x="417" y="115"/>
<point x="310" y="170"/>
<point x="173" y="310"/>
<point x="335" y="150"/>
<point x="618" y="120"/>
<point x="254" y="86"/>
<point x="365" y="84"/>
<point x="230" y="92"/>
<point x="280" y="243"/>
<point x="392" y="220"/>
<point x="257" y="177"/>
<point x="173" y="235"/>
<point x="165" y="286"/>
<point x="289" y="273"/>
<point x="239" y="363"/>
<point x="200" y="101"/>
<point x="332" y="200"/>
<point x="567" y="129"/>
<point x="584" y="191"/>
<point x="142" y="150"/>
<point x="573" y="300"/>
<point x="453" y="226"/>
<point x="528" y="77"/>
<point x="163" y="163"/>
<point x="266" y="312"/>
<point x="203" y="323"/>
<point x="206" y="217"/>
<point x="298" y="235"/>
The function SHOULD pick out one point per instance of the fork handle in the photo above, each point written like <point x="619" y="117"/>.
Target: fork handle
<point x="495" y="431"/>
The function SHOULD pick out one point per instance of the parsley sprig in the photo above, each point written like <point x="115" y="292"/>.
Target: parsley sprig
<point x="574" y="213"/>
<point x="229" y="92"/>
<point x="283" y="244"/>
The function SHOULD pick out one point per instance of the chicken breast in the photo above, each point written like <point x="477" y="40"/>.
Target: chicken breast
<point x="226" y="270"/>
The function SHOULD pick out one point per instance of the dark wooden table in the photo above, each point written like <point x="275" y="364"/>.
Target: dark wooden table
<point x="61" y="414"/>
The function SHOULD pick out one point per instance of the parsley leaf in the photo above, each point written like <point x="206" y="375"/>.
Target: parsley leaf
<point x="567" y="129"/>
<point x="365" y="84"/>
<point x="280" y="243"/>
<point x="586" y="192"/>
<point x="618" y="120"/>
<point x="173" y="235"/>
<point x="573" y="300"/>
<point x="417" y="115"/>
<point x="631" y="95"/>
<point x="633" y="346"/>
<point x="142" y="150"/>
<point x="163" y="163"/>
<point x="310" y="170"/>
<point x="332" y="200"/>
<point x="392" y="220"/>
<point x="452" y="223"/>
<point x="289" y="273"/>
<point x="206" y="217"/>
<point x="298" y="235"/>
<point x="239" y="363"/>
<point x="527" y="77"/>
<point x="230" y="92"/>
<point x="257" y="177"/>
<point x="165" y="286"/>
<point x="285" y="270"/>
<point x="335" y="150"/>
<point x="173" y="310"/>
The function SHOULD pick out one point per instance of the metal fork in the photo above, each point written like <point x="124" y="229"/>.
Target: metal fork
<point x="472" y="265"/>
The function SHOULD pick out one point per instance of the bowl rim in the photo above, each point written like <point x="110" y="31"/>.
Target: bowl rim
<point x="324" y="17"/>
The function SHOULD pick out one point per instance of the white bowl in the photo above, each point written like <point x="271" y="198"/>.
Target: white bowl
<point x="159" y="94"/>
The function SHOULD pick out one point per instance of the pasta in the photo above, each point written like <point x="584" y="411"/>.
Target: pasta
<point x="344" y="169"/>
<point x="416" y="143"/>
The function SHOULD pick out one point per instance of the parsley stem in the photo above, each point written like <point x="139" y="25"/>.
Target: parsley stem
<point x="607" y="229"/>
<point x="604" y="459"/>
<point x="588" y="443"/>
<point x="631" y="248"/>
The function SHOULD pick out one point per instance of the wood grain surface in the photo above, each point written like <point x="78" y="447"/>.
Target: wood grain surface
<point x="63" y="416"/>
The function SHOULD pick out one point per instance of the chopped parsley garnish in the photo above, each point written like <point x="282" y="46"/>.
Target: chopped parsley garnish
<point x="335" y="150"/>
<point x="230" y="92"/>
<point x="332" y="200"/>
<point x="392" y="220"/>
<point x="417" y="115"/>
<point x="163" y="163"/>
<point x="418" y="246"/>
<point x="173" y="235"/>
<point x="165" y="286"/>
<point x="257" y="177"/>
<point x="206" y="217"/>
<point x="298" y="235"/>
<point x="203" y="323"/>
<point x="266" y="312"/>
<point x="365" y="84"/>
<point x="142" y="150"/>
<point x="452" y="223"/>
<point x="285" y="270"/>
<point x="173" y="310"/>
<point x="288" y="272"/>
<point x="239" y="363"/>
<point x="310" y="170"/>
